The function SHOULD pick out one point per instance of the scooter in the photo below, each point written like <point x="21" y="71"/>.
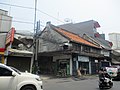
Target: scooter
<point x="105" y="83"/>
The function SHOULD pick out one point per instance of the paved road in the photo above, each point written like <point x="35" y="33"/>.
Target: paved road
<point x="75" y="84"/>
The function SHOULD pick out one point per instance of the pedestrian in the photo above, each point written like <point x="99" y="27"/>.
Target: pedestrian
<point x="78" y="72"/>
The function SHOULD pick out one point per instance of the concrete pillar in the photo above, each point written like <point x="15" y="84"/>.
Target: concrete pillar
<point x="77" y="66"/>
<point x="5" y="60"/>
<point x="71" y="66"/>
<point x="90" y="72"/>
<point x="31" y="64"/>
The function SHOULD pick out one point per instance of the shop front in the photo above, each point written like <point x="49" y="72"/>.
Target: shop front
<point x="63" y="65"/>
<point x="84" y="65"/>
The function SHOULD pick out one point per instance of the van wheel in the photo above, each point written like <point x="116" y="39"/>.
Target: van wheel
<point x="28" y="88"/>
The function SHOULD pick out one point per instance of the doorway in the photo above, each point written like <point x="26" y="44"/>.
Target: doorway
<point x="63" y="67"/>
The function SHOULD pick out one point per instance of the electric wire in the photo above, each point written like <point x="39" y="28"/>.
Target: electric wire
<point x="20" y="22"/>
<point x="37" y="10"/>
<point x="32" y="8"/>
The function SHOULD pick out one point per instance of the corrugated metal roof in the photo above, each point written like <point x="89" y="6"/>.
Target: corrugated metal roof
<point x="104" y="43"/>
<point x="81" y="28"/>
<point x="20" y="51"/>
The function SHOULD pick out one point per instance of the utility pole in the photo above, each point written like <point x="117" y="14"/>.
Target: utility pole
<point x="34" y="61"/>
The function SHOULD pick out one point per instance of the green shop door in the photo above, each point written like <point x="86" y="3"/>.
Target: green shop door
<point x="68" y="68"/>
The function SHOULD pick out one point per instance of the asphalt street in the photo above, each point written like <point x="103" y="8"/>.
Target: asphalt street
<point x="75" y="84"/>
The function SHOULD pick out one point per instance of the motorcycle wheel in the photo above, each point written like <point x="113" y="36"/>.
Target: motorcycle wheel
<point x="100" y="87"/>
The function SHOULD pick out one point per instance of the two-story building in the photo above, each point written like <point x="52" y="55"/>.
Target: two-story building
<point x="62" y="51"/>
<point x="19" y="53"/>
<point x="88" y="30"/>
<point x="14" y="46"/>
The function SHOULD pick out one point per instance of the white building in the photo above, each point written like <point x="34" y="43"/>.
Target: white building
<point x="5" y="25"/>
<point x="5" y="21"/>
<point x="115" y="39"/>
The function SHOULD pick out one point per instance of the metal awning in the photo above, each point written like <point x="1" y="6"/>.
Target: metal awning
<point x="115" y="61"/>
<point x="20" y="51"/>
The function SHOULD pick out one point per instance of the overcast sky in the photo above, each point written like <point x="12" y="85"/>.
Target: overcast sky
<point x="106" y="12"/>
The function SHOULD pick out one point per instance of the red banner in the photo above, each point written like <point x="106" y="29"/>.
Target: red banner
<point x="2" y="49"/>
<point x="10" y="36"/>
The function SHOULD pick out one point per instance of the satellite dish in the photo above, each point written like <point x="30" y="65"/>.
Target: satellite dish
<point x="67" y="20"/>
<point x="20" y="46"/>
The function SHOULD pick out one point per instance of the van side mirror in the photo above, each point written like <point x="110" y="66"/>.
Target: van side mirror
<point x="13" y="74"/>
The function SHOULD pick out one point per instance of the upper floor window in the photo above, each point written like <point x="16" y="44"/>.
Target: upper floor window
<point x="93" y="50"/>
<point x="86" y="49"/>
<point x="77" y="47"/>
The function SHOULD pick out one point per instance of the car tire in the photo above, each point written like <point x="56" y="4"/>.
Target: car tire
<point x="28" y="88"/>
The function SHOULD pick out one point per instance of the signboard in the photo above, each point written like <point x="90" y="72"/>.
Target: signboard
<point x="10" y="36"/>
<point x="83" y="59"/>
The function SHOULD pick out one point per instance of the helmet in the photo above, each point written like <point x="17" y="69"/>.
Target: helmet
<point x="102" y="69"/>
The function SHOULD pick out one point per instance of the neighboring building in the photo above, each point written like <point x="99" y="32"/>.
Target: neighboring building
<point x="61" y="51"/>
<point x="5" y="21"/>
<point x="115" y="39"/>
<point x="86" y="27"/>
<point x="115" y="54"/>
<point x="5" y="25"/>
<point x="105" y="45"/>
<point x="20" y="53"/>
<point x="15" y="48"/>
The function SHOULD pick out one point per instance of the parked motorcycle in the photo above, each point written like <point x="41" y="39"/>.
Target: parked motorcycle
<point x="105" y="83"/>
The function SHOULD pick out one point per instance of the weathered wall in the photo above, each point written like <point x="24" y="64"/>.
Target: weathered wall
<point x="50" y="40"/>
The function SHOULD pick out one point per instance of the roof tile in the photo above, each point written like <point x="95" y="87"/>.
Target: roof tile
<point x="75" y="37"/>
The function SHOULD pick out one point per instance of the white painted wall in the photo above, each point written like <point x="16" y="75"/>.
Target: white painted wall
<point x="5" y="26"/>
<point x="115" y="39"/>
<point x="5" y="23"/>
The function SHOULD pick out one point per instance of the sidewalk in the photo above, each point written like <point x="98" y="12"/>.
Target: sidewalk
<point x="46" y="77"/>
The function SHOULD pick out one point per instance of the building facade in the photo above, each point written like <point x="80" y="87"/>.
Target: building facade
<point x="115" y="39"/>
<point x="5" y="26"/>
<point x="19" y="54"/>
<point x="61" y="51"/>
<point x="88" y="30"/>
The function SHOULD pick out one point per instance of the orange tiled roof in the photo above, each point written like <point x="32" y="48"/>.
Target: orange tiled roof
<point x="75" y="37"/>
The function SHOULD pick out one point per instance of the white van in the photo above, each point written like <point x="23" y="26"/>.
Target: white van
<point x="112" y="71"/>
<point x="13" y="79"/>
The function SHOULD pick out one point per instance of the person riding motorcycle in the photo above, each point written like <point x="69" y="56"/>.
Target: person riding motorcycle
<point x="103" y="73"/>
<point x="105" y="79"/>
